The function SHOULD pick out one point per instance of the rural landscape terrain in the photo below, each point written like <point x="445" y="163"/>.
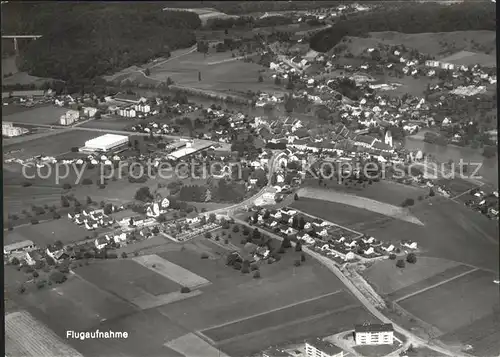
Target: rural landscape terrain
<point x="239" y="179"/>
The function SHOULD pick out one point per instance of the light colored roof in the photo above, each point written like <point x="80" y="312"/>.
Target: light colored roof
<point x="105" y="140"/>
<point x="470" y="58"/>
<point x="182" y="152"/>
<point x="18" y="245"/>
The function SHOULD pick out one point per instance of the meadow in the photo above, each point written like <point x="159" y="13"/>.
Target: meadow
<point x="474" y="295"/>
<point x="46" y="114"/>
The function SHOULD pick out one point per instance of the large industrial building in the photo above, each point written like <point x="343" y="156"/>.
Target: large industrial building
<point x="105" y="143"/>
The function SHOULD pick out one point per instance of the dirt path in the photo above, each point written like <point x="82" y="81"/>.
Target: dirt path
<point x="360" y="202"/>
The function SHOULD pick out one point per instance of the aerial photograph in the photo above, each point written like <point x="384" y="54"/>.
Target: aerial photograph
<point x="250" y="178"/>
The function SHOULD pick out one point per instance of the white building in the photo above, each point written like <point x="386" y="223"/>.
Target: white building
<point x="127" y="113"/>
<point x="9" y="130"/>
<point x="143" y="108"/>
<point x="24" y="246"/>
<point x="89" y="111"/>
<point x="105" y="142"/>
<point x="374" y="334"/>
<point x="69" y="117"/>
<point x="321" y="348"/>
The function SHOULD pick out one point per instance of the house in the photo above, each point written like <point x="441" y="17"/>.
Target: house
<point x="53" y="252"/>
<point x="388" y="247"/>
<point x="24" y="246"/>
<point x="32" y="257"/>
<point x="320" y="348"/>
<point x="374" y="334"/>
<point x="101" y="242"/>
<point x="409" y="244"/>
<point x="369" y="251"/>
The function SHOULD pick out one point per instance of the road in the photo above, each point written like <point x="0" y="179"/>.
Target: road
<point x="328" y="263"/>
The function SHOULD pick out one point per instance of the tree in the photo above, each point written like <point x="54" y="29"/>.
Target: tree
<point x="256" y="234"/>
<point x="143" y="194"/>
<point x="204" y="255"/>
<point x="261" y="79"/>
<point x="89" y="200"/>
<point x="400" y="263"/>
<point x="124" y="255"/>
<point x="57" y="277"/>
<point x="208" y="235"/>
<point x="298" y="246"/>
<point x="302" y="257"/>
<point x="297" y="263"/>
<point x="431" y="192"/>
<point x="14" y="261"/>
<point x="411" y="258"/>
<point x="392" y="256"/>
<point x="199" y="76"/>
<point x="35" y="274"/>
<point x="256" y="274"/>
<point x="286" y="243"/>
<point x="64" y="201"/>
<point x="147" y="72"/>
<point x="296" y="197"/>
<point x="277" y="80"/>
<point x="185" y="290"/>
<point x="212" y="218"/>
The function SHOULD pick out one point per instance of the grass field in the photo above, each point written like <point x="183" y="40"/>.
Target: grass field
<point x="48" y="114"/>
<point x="123" y="275"/>
<point x="283" y="316"/>
<point x="48" y="232"/>
<point x="387" y="278"/>
<point x="473" y="295"/>
<point x="298" y="332"/>
<point x="435" y="44"/>
<point x="53" y="146"/>
<point x="77" y="304"/>
<point x="171" y="271"/>
<point x="193" y="345"/>
<point x="359" y="202"/>
<point x="374" y="351"/>
<point x="426" y="283"/>
<point x="383" y="191"/>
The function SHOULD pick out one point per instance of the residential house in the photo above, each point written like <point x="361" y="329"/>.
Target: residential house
<point x="374" y="334"/>
<point x="409" y="244"/>
<point x="320" y="348"/>
<point x="388" y="247"/>
<point x="24" y="246"/>
<point x="54" y="252"/>
<point x="101" y="242"/>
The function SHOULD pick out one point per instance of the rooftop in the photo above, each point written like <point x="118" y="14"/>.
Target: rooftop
<point x="373" y="328"/>
<point x="274" y="352"/>
<point x="104" y="140"/>
<point x="18" y="245"/>
<point x="324" y="346"/>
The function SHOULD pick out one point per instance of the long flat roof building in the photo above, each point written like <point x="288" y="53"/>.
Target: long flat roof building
<point x="105" y="142"/>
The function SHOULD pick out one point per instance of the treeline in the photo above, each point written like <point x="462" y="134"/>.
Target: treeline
<point x="247" y="22"/>
<point x="411" y="18"/>
<point x="84" y="40"/>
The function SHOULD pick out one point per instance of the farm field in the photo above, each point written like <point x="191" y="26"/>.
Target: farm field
<point x="283" y="316"/>
<point x="387" y="278"/>
<point x="47" y="114"/>
<point x="359" y="202"/>
<point x="298" y="332"/>
<point x="374" y="351"/>
<point x="483" y="335"/>
<point x="221" y="302"/>
<point x="474" y="295"/>
<point x="456" y="185"/>
<point x="136" y="278"/>
<point x="48" y="232"/>
<point x="450" y="273"/>
<point x="76" y="303"/>
<point x="26" y="336"/>
<point x="193" y="345"/>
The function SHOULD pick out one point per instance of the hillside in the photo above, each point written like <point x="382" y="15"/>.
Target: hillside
<point x="84" y="40"/>
<point x="434" y="44"/>
<point x="410" y="19"/>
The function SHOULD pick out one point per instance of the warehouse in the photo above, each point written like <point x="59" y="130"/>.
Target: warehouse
<point x="105" y="143"/>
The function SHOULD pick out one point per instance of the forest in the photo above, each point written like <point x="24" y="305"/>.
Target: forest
<point x="410" y="18"/>
<point x="84" y="40"/>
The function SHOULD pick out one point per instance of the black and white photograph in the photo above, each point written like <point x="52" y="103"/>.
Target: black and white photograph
<point x="250" y="178"/>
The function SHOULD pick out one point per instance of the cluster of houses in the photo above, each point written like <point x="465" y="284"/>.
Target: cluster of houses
<point x="91" y="220"/>
<point x="27" y="98"/>
<point x="9" y="130"/>
<point x="337" y="243"/>
<point x="486" y="203"/>
<point x="190" y="228"/>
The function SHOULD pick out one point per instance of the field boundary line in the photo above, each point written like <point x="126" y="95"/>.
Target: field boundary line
<point x="436" y="285"/>
<point x="273" y="310"/>
<point x="291" y="323"/>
